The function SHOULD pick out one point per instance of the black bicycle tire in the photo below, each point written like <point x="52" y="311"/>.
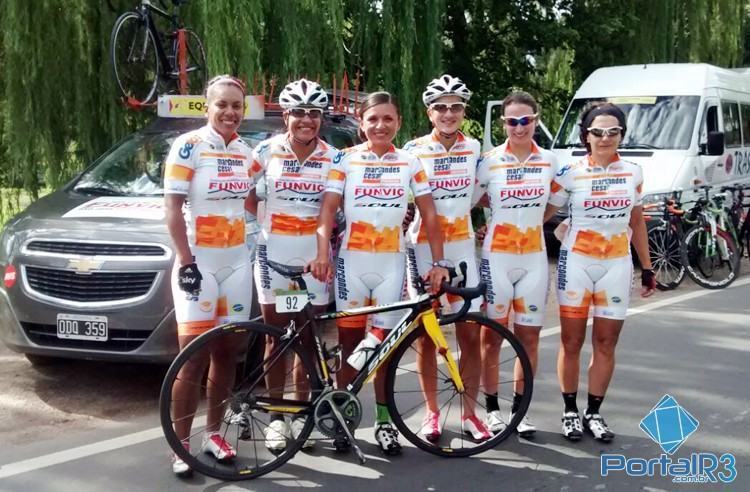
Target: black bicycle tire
<point x="657" y="229"/>
<point x="166" y="395"/>
<point x="692" y="272"/>
<point x="113" y="58"/>
<point x="202" y="53"/>
<point x="435" y="449"/>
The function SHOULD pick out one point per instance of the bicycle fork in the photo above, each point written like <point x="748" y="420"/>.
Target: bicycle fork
<point x="432" y="327"/>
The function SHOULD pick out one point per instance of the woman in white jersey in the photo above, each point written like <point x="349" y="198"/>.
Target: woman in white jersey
<point x="450" y="159"/>
<point x="603" y="195"/>
<point x="294" y="166"/>
<point x="371" y="182"/>
<point x="516" y="177"/>
<point x="208" y="172"/>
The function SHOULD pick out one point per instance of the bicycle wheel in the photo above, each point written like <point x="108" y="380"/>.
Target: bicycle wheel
<point x="665" y="255"/>
<point x="135" y="63"/>
<point x="406" y="397"/>
<point x="711" y="263"/>
<point x="196" y="72"/>
<point x="238" y="403"/>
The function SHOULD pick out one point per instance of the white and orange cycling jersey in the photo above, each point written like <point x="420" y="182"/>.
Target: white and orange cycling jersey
<point x="595" y="265"/>
<point x="371" y="263"/>
<point x="214" y="177"/>
<point x="514" y="259"/>
<point x="451" y="174"/>
<point x="294" y="193"/>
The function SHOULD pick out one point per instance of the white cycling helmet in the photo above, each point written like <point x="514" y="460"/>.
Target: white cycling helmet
<point x="303" y="93"/>
<point x="445" y="85"/>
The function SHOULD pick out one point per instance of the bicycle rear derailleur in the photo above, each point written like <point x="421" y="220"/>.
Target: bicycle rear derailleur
<point x="339" y="413"/>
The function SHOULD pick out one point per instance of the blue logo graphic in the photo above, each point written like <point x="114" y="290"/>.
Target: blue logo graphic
<point x="668" y="424"/>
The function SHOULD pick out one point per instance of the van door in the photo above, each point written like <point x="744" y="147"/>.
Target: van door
<point x="734" y="160"/>
<point x="493" y="131"/>
<point x="708" y="168"/>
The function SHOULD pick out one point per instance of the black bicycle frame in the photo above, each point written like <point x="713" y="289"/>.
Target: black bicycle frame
<point x="145" y="9"/>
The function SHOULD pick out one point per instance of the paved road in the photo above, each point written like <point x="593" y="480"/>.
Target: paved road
<point x="692" y="344"/>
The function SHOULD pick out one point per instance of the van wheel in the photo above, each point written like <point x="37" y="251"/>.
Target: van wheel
<point x="43" y="360"/>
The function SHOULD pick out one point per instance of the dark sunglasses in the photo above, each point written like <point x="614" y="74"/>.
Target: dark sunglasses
<point x="455" y="107"/>
<point x="521" y="120"/>
<point x="612" y="131"/>
<point x="313" y="113"/>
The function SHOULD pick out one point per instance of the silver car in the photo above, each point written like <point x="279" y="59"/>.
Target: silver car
<point x="87" y="268"/>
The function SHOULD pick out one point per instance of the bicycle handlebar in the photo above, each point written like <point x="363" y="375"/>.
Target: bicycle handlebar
<point x="468" y="294"/>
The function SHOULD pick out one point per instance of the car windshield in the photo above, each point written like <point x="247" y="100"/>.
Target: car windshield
<point x="135" y="167"/>
<point x="654" y="122"/>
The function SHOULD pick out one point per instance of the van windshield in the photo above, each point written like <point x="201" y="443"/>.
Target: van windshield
<point x="654" y="122"/>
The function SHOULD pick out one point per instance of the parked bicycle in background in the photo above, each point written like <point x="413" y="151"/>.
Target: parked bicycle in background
<point x="147" y="61"/>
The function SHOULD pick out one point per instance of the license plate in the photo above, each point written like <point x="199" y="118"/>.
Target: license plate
<point x="82" y="327"/>
<point x="291" y="301"/>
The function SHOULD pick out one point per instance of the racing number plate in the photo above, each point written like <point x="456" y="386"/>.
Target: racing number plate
<point x="291" y="301"/>
<point x="82" y="327"/>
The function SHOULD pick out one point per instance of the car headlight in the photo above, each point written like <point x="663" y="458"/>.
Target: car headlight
<point x="656" y="198"/>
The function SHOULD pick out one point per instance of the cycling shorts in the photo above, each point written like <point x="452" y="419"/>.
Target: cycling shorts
<point x="586" y="280"/>
<point x="226" y="291"/>
<point x="297" y="251"/>
<point x="369" y="279"/>
<point x="520" y="281"/>
<point x="419" y="262"/>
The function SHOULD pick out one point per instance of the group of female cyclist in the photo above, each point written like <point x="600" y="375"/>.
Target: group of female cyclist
<point x="213" y="172"/>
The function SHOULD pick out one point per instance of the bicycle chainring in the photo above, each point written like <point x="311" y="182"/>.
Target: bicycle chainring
<point x="347" y="404"/>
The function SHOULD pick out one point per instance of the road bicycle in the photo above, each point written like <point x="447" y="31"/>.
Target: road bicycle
<point x="708" y="251"/>
<point x="302" y="387"/>
<point x="739" y="218"/>
<point x="146" y="61"/>
<point x="665" y="234"/>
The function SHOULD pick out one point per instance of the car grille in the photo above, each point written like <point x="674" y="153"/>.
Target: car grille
<point x="119" y="340"/>
<point x="93" y="287"/>
<point x="96" y="249"/>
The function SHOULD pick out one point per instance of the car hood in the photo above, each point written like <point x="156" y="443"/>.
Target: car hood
<point x="70" y="215"/>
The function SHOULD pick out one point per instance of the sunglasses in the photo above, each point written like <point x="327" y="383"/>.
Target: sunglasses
<point x="612" y="131"/>
<point x="521" y="120"/>
<point x="456" y="107"/>
<point x="313" y="113"/>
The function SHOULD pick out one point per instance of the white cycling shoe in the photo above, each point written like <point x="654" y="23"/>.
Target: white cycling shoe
<point x="494" y="422"/>
<point x="277" y="435"/>
<point x="526" y="427"/>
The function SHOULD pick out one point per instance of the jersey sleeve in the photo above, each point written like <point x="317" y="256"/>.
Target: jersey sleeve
<point x="337" y="175"/>
<point x="180" y="168"/>
<point x="638" y="180"/>
<point x="259" y="157"/>
<point x="482" y="178"/>
<point x="559" y="189"/>
<point x="419" y="183"/>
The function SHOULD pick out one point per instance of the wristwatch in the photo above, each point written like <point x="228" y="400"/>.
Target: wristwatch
<point x="443" y="264"/>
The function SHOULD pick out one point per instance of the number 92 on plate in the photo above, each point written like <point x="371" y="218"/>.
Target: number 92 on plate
<point x="291" y="301"/>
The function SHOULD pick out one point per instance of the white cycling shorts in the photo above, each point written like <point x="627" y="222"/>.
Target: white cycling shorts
<point x="585" y="280"/>
<point x="419" y="262"/>
<point x="517" y="281"/>
<point x="369" y="279"/>
<point x="226" y="291"/>
<point x="289" y="251"/>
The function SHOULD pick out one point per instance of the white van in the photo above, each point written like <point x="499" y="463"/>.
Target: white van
<point x="688" y="124"/>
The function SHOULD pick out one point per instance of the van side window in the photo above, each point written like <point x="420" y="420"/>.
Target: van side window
<point x="731" y="116"/>
<point x="745" y="114"/>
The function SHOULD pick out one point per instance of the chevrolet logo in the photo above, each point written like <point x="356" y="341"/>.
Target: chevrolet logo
<point x="84" y="265"/>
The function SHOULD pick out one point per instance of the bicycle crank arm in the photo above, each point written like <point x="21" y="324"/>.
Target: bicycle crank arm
<point x="349" y="435"/>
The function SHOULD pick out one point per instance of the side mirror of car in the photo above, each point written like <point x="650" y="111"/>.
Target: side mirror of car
<point x="714" y="144"/>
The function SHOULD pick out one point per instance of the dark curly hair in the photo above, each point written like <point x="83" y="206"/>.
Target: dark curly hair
<point x="598" y="108"/>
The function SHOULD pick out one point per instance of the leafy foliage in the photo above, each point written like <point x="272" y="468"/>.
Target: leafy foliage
<point x="58" y="106"/>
